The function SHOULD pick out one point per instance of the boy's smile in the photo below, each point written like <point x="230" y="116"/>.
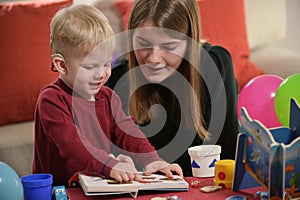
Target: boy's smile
<point x="86" y="75"/>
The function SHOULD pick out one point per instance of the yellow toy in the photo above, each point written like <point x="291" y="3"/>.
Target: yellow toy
<point x="224" y="170"/>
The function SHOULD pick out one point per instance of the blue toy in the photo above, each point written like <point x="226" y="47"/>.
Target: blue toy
<point x="10" y="184"/>
<point x="269" y="157"/>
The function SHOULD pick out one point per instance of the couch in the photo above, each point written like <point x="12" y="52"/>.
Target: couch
<point x="25" y="69"/>
<point x="245" y="27"/>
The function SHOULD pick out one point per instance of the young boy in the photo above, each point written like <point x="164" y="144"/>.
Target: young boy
<point x="79" y="121"/>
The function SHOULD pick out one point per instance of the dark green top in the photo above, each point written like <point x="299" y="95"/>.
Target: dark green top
<point x="219" y="108"/>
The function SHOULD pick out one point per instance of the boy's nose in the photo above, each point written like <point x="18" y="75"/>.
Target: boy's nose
<point x="99" y="71"/>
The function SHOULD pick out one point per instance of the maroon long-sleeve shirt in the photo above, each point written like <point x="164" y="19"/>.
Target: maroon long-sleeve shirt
<point x="73" y="134"/>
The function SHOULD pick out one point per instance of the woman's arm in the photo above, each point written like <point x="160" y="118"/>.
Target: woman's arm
<point x="228" y="136"/>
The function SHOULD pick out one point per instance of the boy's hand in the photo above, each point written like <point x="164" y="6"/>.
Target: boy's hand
<point x="124" y="172"/>
<point x="164" y="167"/>
<point x="125" y="159"/>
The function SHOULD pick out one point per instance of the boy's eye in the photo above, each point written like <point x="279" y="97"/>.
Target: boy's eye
<point x="92" y="66"/>
<point x="106" y="65"/>
<point x="87" y="66"/>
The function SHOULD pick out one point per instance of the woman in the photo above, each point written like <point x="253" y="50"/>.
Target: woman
<point x="180" y="90"/>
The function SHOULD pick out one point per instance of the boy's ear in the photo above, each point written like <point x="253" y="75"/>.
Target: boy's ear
<point x="60" y="65"/>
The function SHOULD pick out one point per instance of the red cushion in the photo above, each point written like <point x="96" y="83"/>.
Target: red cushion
<point x="25" y="56"/>
<point x="222" y="24"/>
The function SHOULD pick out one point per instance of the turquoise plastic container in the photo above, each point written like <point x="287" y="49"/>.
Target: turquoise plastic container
<point x="10" y="184"/>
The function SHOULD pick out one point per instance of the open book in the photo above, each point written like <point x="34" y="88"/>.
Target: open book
<point x="93" y="185"/>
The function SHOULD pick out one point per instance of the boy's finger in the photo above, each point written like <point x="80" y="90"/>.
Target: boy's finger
<point x="176" y="168"/>
<point x="117" y="177"/>
<point x="167" y="172"/>
<point x="131" y="176"/>
<point x="124" y="177"/>
<point x="179" y="172"/>
<point x="138" y="177"/>
<point x="149" y="172"/>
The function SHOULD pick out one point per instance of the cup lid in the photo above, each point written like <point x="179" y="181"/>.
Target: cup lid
<point x="204" y="150"/>
<point x="37" y="180"/>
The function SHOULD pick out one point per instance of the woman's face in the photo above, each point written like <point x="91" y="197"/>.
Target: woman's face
<point x="158" y="54"/>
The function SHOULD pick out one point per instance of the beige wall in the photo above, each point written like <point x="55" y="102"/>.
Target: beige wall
<point x="292" y="40"/>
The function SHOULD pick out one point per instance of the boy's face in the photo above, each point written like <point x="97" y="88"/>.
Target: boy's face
<point x="86" y="75"/>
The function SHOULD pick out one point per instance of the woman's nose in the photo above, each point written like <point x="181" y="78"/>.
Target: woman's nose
<point x="155" y="55"/>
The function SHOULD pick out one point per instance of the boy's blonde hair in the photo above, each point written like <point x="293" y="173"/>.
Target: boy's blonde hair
<point x="82" y="27"/>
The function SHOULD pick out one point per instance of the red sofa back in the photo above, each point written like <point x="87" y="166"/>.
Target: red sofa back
<point x="25" y="56"/>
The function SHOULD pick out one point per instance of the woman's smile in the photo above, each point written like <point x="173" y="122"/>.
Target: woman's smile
<point x="155" y="69"/>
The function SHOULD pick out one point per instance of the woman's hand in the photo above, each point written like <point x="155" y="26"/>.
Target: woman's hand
<point x="164" y="167"/>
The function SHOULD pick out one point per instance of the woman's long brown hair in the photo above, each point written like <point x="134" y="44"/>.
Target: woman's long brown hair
<point x="181" y="16"/>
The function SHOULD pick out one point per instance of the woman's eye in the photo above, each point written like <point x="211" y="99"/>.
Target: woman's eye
<point x="144" y="44"/>
<point x="169" y="48"/>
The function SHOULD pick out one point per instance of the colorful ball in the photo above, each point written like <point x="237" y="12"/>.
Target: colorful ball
<point x="257" y="96"/>
<point x="288" y="89"/>
<point x="10" y="184"/>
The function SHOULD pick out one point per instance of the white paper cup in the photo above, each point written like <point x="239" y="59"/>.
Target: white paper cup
<point x="203" y="159"/>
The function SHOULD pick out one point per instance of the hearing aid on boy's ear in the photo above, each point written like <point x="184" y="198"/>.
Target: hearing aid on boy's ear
<point x="57" y="55"/>
<point x="53" y="68"/>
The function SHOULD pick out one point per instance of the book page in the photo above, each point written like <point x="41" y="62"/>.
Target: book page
<point x="93" y="185"/>
<point x="97" y="184"/>
<point x="161" y="182"/>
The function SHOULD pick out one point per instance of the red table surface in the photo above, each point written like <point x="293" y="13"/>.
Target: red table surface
<point x="192" y="193"/>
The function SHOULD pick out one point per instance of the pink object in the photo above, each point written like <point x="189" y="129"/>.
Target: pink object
<point x="257" y="96"/>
